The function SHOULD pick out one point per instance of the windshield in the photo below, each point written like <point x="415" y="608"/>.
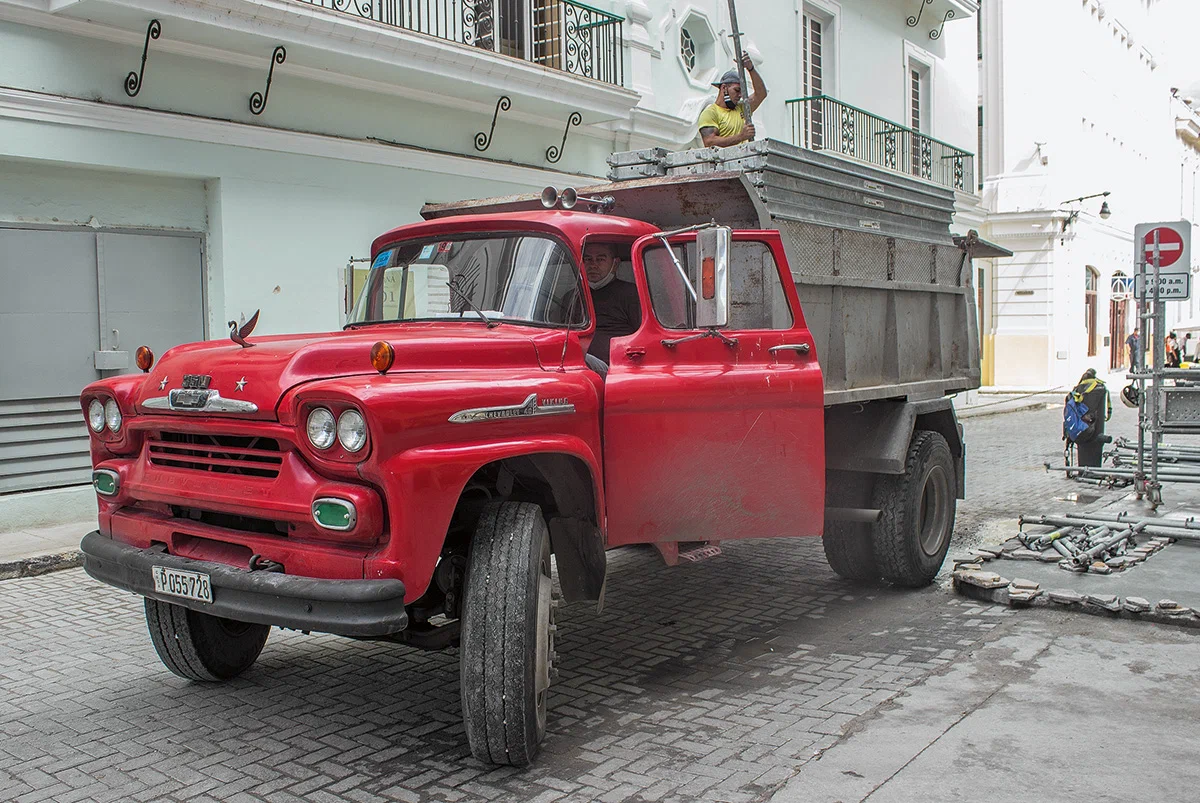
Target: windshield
<point x="509" y="277"/>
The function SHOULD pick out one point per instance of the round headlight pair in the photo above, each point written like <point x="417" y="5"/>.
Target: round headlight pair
<point x="104" y="414"/>
<point x="349" y="429"/>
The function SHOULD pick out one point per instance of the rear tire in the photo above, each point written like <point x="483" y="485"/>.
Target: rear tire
<point x="848" y="547"/>
<point x="849" y="551"/>
<point x="200" y="646"/>
<point x="507" y="634"/>
<point x="913" y="535"/>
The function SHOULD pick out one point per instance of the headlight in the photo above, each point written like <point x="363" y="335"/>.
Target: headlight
<point x="112" y="415"/>
<point x="351" y="430"/>
<point x="321" y="428"/>
<point x="96" y="415"/>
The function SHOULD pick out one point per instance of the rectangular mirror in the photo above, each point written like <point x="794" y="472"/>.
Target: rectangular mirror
<point x="712" y="291"/>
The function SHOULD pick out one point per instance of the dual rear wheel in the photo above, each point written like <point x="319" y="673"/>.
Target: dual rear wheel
<point x="908" y="544"/>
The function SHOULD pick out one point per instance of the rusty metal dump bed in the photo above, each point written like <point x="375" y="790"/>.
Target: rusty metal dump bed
<point x="885" y="288"/>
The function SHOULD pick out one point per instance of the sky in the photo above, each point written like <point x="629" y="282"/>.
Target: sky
<point x="1177" y="26"/>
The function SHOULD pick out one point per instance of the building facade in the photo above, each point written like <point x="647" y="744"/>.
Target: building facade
<point x="169" y="167"/>
<point x="1091" y="115"/>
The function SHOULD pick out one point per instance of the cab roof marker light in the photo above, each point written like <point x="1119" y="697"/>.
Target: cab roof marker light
<point x="382" y="356"/>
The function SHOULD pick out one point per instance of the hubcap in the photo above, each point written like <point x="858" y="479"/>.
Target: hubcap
<point x="933" y="518"/>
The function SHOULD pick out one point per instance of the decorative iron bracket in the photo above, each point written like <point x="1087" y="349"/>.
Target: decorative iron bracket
<point x="133" y="81"/>
<point x="484" y="141"/>
<point x="258" y="101"/>
<point x="914" y="20"/>
<point x="936" y="34"/>
<point x="555" y="152"/>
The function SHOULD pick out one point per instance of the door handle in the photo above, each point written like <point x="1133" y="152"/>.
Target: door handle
<point x="803" y="348"/>
<point x="635" y="353"/>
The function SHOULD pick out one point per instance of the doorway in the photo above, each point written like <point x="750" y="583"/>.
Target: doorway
<point x="79" y="303"/>
<point x="1118" y="312"/>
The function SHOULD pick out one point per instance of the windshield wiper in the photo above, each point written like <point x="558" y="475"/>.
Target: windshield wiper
<point x="453" y="285"/>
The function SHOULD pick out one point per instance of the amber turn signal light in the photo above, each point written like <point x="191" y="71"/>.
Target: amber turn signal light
<point x="144" y="358"/>
<point x="382" y="356"/>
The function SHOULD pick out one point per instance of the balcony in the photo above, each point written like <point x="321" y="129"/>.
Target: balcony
<point x="559" y="34"/>
<point x="822" y="123"/>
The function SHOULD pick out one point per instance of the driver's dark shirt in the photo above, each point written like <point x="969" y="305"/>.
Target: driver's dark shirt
<point x="618" y="313"/>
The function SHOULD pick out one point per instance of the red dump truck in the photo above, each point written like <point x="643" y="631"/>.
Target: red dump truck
<point x="416" y="476"/>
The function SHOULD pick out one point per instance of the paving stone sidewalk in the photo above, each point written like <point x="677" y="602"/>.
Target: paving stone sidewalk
<point x="714" y="681"/>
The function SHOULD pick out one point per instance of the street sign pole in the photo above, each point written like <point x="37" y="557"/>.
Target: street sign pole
<point x="1139" y="369"/>
<point x="1160" y="340"/>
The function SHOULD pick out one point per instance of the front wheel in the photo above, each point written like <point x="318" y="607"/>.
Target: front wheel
<point x="507" y="634"/>
<point x="912" y="536"/>
<point x="200" y="646"/>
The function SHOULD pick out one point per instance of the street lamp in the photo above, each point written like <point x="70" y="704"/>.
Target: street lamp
<point x="1073" y="214"/>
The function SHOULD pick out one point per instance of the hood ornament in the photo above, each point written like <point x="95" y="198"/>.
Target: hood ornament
<point x="239" y="335"/>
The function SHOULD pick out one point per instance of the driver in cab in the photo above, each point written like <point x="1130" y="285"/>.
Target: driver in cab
<point x="618" y="310"/>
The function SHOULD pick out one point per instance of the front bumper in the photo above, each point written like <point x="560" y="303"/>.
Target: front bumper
<point x="343" y="607"/>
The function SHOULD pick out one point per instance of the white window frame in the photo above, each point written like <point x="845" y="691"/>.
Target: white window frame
<point x="829" y="13"/>
<point x="924" y="62"/>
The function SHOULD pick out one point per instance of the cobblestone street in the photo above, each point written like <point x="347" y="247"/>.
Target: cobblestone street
<point x="712" y="681"/>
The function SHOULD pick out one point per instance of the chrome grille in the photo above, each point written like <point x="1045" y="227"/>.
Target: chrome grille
<point x="216" y="454"/>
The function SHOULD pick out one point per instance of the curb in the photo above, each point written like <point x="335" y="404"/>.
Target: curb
<point x="967" y="413"/>
<point x="40" y="564"/>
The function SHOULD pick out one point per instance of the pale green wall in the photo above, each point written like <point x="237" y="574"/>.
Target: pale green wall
<point x="272" y="219"/>
<point x="78" y="67"/>
<point x="34" y="192"/>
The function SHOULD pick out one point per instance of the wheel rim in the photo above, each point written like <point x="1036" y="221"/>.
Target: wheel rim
<point x="933" y="516"/>
<point x="545" y="640"/>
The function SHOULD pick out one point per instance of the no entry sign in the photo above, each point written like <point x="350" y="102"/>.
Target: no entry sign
<point x="1170" y="247"/>
<point x="1173" y="249"/>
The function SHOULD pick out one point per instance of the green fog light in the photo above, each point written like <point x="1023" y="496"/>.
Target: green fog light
<point x="105" y="482"/>
<point x="334" y="514"/>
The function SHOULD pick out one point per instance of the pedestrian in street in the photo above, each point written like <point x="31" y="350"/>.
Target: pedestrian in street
<point x="723" y="122"/>
<point x="1185" y="348"/>
<point x="1172" y="351"/>
<point x="1088" y="406"/>
<point x="1132" y="343"/>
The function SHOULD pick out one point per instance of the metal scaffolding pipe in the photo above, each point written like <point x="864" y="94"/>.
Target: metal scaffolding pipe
<point x="1171" y="475"/>
<point x="1150" y="527"/>
<point x="1129" y="518"/>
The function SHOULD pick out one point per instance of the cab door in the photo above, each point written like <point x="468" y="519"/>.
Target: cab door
<point x="714" y="433"/>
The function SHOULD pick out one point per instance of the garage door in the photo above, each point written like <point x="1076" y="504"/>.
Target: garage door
<point x="73" y="308"/>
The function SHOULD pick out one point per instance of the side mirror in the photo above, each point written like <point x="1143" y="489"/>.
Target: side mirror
<point x="347" y="290"/>
<point x="713" y="247"/>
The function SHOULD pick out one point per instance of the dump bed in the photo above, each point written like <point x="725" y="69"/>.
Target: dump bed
<point x="884" y="285"/>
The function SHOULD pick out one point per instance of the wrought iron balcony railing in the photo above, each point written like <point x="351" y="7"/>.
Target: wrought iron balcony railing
<point x="822" y="123"/>
<point x="560" y="34"/>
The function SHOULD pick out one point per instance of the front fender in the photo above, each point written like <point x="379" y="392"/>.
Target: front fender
<point x="423" y="485"/>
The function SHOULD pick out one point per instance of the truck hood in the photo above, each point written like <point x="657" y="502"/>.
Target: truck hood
<point x="262" y="374"/>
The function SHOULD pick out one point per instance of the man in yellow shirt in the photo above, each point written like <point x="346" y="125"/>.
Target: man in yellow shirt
<point x="722" y="123"/>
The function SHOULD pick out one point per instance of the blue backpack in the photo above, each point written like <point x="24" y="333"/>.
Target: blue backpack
<point x="1079" y="420"/>
<point x="1074" y="424"/>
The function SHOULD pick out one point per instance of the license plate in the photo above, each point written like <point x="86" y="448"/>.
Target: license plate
<point x="177" y="583"/>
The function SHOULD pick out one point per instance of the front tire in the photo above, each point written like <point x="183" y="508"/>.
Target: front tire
<point x="507" y="634"/>
<point x="202" y="647"/>
<point x="913" y="535"/>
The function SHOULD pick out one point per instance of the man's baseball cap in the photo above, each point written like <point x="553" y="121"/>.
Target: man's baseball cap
<point x="730" y="77"/>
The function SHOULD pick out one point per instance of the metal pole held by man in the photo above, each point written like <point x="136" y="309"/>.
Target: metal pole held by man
<point x="741" y="60"/>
